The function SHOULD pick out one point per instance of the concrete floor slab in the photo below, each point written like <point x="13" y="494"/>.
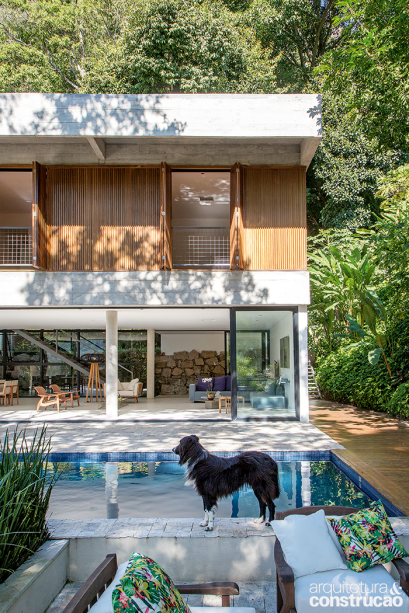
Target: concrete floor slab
<point x="99" y="437"/>
<point x="161" y="408"/>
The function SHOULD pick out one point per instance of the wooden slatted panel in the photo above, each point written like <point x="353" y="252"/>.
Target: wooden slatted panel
<point x="236" y="219"/>
<point x="274" y="231"/>
<point x="104" y="218"/>
<point x="166" y="208"/>
<point x="40" y="236"/>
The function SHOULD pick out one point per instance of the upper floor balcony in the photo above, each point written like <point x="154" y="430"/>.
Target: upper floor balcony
<point x="153" y="218"/>
<point x="155" y="182"/>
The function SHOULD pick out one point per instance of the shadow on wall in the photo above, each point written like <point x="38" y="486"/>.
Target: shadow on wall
<point x="142" y="288"/>
<point x="74" y="248"/>
<point x="96" y="114"/>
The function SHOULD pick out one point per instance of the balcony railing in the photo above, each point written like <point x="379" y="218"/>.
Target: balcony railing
<point x="16" y="247"/>
<point x="201" y="247"/>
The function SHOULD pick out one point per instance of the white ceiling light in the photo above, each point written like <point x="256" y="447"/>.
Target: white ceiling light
<point x="206" y="200"/>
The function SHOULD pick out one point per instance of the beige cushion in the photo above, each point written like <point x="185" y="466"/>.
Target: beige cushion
<point x="127" y="385"/>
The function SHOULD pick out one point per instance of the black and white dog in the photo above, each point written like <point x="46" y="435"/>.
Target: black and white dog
<point x="215" y="477"/>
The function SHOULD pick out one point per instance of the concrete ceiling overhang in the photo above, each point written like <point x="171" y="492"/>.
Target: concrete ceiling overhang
<point x="258" y="128"/>
<point x="128" y="319"/>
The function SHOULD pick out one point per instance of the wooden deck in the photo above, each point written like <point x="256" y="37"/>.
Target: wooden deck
<point x="377" y="446"/>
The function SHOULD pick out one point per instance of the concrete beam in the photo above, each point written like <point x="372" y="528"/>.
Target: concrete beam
<point x="98" y="146"/>
<point x="308" y="149"/>
<point x="144" y="151"/>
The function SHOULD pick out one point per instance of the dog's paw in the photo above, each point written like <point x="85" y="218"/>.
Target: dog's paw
<point x="209" y="529"/>
<point x="203" y="523"/>
<point x="259" y="520"/>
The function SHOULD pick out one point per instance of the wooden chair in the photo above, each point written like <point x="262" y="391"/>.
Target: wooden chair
<point x="12" y="386"/>
<point x="285" y="575"/>
<point x="103" y="575"/>
<point x="4" y="393"/>
<point x="48" y="400"/>
<point x="74" y="395"/>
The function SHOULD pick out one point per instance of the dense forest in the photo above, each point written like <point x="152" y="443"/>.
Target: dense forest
<point x="354" y="52"/>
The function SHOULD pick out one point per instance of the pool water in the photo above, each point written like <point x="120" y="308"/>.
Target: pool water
<point x="157" y="489"/>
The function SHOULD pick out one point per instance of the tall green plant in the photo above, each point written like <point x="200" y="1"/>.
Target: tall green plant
<point x="340" y="280"/>
<point x="372" y="334"/>
<point x="25" y="490"/>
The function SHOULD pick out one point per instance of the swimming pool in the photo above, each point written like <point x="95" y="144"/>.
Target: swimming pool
<point x="98" y="490"/>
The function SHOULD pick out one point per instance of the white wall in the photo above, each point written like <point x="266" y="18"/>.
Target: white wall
<point x="187" y="341"/>
<point x="18" y="220"/>
<point x="284" y="328"/>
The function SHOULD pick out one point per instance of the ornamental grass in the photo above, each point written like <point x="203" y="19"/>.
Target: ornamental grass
<point x="25" y="489"/>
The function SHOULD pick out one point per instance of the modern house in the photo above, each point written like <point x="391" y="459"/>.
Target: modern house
<point x="179" y="215"/>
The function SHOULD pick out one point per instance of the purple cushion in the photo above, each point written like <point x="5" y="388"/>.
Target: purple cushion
<point x="228" y="383"/>
<point x="219" y="384"/>
<point x="203" y="385"/>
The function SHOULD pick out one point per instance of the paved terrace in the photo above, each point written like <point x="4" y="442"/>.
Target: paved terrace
<point x="132" y="436"/>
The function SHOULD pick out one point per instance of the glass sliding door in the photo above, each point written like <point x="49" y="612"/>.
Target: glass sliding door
<point x="265" y="363"/>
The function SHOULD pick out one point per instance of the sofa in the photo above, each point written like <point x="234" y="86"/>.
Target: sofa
<point x="198" y="391"/>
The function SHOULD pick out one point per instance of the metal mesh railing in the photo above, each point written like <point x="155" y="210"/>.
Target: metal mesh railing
<point x="201" y="247"/>
<point x="16" y="247"/>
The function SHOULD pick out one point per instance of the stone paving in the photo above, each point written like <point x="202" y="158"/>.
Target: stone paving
<point x="157" y="437"/>
<point x="156" y="527"/>
<point x="173" y="528"/>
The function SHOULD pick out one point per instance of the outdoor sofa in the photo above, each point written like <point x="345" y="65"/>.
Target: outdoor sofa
<point x="294" y="594"/>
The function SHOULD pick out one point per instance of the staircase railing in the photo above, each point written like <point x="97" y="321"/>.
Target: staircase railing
<point x="88" y="343"/>
<point x="313" y="387"/>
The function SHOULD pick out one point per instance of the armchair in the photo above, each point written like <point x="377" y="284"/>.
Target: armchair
<point x="96" y="591"/>
<point x="287" y="585"/>
<point x="132" y="389"/>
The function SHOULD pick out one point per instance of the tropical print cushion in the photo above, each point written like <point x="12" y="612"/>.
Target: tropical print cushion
<point x="146" y="588"/>
<point x="367" y="538"/>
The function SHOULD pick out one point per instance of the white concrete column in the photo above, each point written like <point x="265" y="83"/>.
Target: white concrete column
<point x="111" y="364"/>
<point x="304" y="414"/>
<point x="150" y="363"/>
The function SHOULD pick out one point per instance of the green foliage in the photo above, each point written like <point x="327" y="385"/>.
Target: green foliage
<point x="182" y="46"/>
<point x="374" y="67"/>
<point x="44" y="45"/>
<point x="398" y="405"/>
<point x="152" y="46"/>
<point x="341" y="281"/>
<point x="25" y="489"/>
<point x="343" y="178"/>
<point x="347" y="376"/>
<point x="297" y="33"/>
<point x="364" y="358"/>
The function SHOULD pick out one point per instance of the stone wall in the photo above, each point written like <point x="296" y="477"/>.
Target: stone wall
<point x="176" y="372"/>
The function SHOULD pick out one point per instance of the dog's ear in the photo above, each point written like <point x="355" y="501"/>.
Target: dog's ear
<point x="195" y="437"/>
